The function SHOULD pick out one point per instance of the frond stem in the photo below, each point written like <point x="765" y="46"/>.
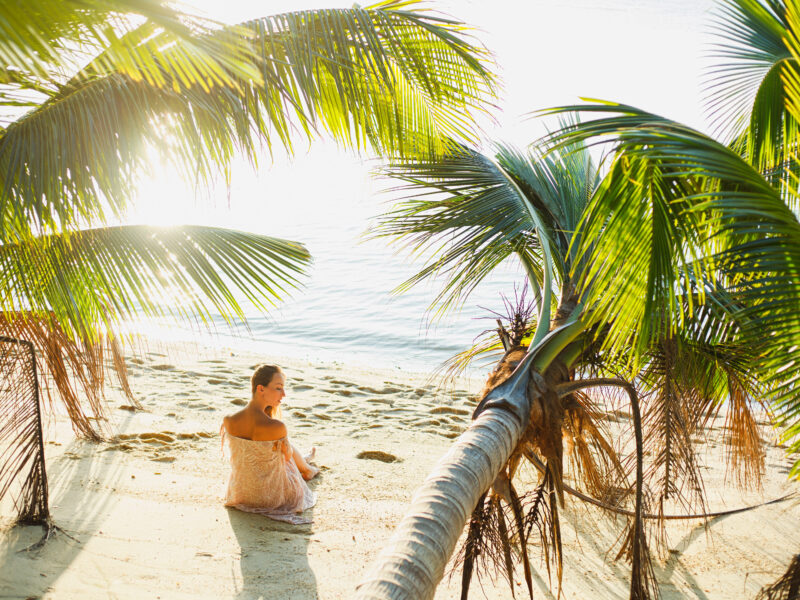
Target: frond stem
<point x="543" y="326"/>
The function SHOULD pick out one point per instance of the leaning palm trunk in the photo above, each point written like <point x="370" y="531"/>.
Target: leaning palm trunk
<point x="413" y="563"/>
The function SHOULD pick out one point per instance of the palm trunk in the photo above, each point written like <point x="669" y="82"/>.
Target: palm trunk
<point x="412" y="564"/>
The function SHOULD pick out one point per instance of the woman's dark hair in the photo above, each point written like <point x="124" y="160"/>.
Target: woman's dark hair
<point x="263" y="376"/>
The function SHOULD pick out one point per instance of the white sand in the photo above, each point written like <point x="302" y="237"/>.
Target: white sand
<point x="146" y="511"/>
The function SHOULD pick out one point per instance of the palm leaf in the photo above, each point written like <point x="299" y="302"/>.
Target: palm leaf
<point x="99" y="276"/>
<point x="746" y="91"/>
<point x="721" y="209"/>
<point x="21" y="432"/>
<point x="42" y="38"/>
<point x="386" y="77"/>
<point x="464" y="206"/>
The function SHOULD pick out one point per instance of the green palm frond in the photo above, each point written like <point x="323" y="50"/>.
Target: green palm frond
<point x="44" y="38"/>
<point x="474" y="212"/>
<point x="388" y="77"/>
<point x="463" y="206"/>
<point x="726" y="223"/>
<point x="559" y="182"/>
<point x="746" y="89"/>
<point x="100" y="276"/>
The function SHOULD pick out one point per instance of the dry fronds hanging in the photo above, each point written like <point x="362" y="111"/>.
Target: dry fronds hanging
<point x="23" y="468"/>
<point x="71" y="370"/>
<point x="787" y="587"/>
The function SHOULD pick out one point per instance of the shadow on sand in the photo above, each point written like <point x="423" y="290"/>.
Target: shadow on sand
<point x="274" y="556"/>
<point x="69" y="476"/>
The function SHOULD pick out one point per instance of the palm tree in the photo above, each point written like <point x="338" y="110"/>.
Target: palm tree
<point x="673" y="279"/>
<point x="89" y="87"/>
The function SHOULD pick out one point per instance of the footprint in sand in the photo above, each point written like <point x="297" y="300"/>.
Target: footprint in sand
<point x="425" y="422"/>
<point x="387" y="401"/>
<point x="239" y="402"/>
<point x="383" y="391"/>
<point x="378" y="455"/>
<point x="216" y="381"/>
<point x="448" y="410"/>
<point x="301" y="388"/>
<point x="154" y="444"/>
<point x="227" y="370"/>
<point x="163" y="367"/>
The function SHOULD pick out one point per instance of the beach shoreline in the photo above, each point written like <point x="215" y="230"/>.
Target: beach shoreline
<point x="145" y="507"/>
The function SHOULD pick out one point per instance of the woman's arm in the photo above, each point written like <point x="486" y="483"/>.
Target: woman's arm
<point x="306" y="470"/>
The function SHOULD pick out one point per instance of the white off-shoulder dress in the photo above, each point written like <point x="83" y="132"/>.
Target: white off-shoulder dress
<point x="263" y="482"/>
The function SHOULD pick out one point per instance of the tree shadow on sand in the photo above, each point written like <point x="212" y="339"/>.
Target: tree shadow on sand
<point x="274" y="556"/>
<point x="69" y="474"/>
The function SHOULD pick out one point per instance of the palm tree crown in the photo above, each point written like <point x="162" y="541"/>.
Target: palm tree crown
<point x="673" y="278"/>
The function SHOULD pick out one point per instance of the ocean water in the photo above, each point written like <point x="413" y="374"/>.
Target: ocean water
<point x="346" y="310"/>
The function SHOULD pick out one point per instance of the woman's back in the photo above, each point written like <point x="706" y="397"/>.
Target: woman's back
<point x="252" y="424"/>
<point x="265" y="476"/>
<point x="264" y="482"/>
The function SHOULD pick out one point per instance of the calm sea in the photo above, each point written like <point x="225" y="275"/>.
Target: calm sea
<point x="346" y="311"/>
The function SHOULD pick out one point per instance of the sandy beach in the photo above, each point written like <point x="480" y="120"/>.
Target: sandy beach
<point x="145" y="515"/>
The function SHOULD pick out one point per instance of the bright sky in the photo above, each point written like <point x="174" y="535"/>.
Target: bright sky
<point x="649" y="53"/>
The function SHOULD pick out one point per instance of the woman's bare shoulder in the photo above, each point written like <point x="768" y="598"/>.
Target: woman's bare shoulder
<point x="269" y="431"/>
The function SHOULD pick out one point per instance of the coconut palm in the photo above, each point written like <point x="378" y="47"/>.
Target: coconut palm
<point x="89" y="89"/>
<point x="674" y="279"/>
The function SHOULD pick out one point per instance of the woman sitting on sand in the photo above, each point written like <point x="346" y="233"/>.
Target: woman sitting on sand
<point x="268" y="475"/>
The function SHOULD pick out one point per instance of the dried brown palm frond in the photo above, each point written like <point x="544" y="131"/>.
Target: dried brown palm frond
<point x="514" y="325"/>
<point x="542" y="513"/>
<point x="594" y="461"/>
<point x="499" y="532"/>
<point x="744" y="447"/>
<point x="787" y="587"/>
<point x="635" y="549"/>
<point x="474" y="546"/>
<point x="21" y="432"/>
<point x="670" y="418"/>
<point x="487" y="548"/>
<point x="71" y="370"/>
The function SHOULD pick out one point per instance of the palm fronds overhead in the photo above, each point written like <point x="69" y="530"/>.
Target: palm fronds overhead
<point x="105" y="275"/>
<point x="90" y="88"/>
<point x="391" y="78"/>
